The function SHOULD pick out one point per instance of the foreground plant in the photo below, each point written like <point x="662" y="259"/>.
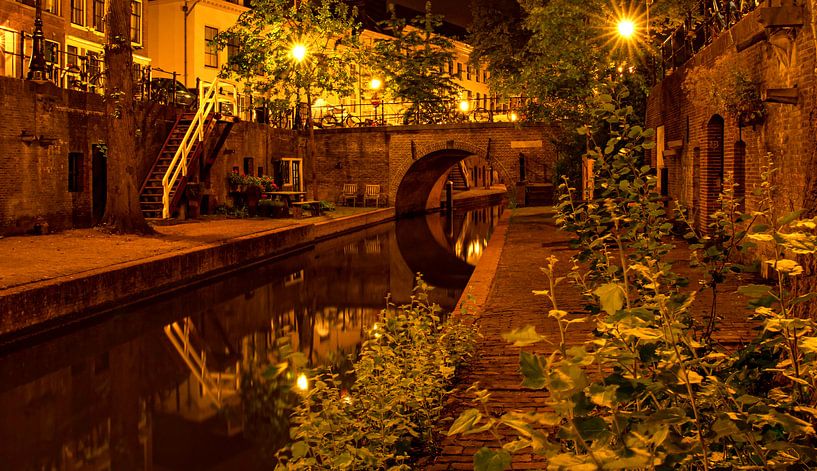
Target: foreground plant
<point x="653" y="390"/>
<point x="386" y="416"/>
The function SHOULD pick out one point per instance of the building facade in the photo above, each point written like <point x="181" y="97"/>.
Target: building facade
<point x="75" y="37"/>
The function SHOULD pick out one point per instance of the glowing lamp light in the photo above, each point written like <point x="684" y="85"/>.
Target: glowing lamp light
<point x="514" y="117"/>
<point x="302" y="382"/>
<point x="299" y="52"/>
<point x="626" y="28"/>
<point x="464" y="106"/>
<point x="375" y="84"/>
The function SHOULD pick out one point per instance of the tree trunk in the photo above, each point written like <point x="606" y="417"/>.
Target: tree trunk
<point x="122" y="211"/>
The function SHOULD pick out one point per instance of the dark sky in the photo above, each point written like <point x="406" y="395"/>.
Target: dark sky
<point x="455" y="11"/>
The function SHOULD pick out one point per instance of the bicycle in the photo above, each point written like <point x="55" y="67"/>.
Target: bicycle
<point x="331" y="120"/>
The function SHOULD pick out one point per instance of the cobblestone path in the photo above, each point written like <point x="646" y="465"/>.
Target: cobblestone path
<point x="530" y="239"/>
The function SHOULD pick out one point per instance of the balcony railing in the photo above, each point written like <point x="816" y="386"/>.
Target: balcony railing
<point x="699" y="30"/>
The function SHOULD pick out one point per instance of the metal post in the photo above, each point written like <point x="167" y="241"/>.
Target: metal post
<point x="36" y="68"/>
<point x="449" y="195"/>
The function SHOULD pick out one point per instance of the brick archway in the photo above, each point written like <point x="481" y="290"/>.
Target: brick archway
<point x="417" y="183"/>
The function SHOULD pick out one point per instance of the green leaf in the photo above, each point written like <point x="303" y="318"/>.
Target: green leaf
<point x="533" y="370"/>
<point x="344" y="460"/>
<point x="611" y="297"/>
<point x="523" y="337"/>
<point x="490" y="460"/>
<point x="754" y="291"/>
<point x="299" y="449"/>
<point x="591" y="428"/>
<point x="789" y="217"/>
<point x="465" y="422"/>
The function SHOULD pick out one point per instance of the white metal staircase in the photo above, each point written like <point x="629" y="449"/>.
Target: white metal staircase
<point x="184" y="146"/>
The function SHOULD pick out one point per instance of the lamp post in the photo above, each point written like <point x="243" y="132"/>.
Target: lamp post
<point x="374" y="85"/>
<point x="298" y="54"/>
<point x="36" y="68"/>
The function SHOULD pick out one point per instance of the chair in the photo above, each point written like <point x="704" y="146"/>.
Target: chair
<point x="372" y="192"/>
<point x="349" y="193"/>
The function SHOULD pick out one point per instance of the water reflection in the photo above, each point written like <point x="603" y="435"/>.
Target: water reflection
<point x="168" y="385"/>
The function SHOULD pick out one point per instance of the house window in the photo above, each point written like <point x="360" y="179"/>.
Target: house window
<point x="8" y="61"/>
<point x="136" y="21"/>
<point x="468" y="72"/>
<point x="451" y="68"/>
<point x="71" y="56"/>
<point x="210" y="49"/>
<point x="248" y="166"/>
<point x="51" y="6"/>
<point x="485" y="76"/>
<point x="476" y="75"/>
<point x="99" y="15"/>
<point x="232" y="53"/>
<point x="459" y="71"/>
<point x="78" y="12"/>
<point x="52" y="59"/>
<point x="74" y="172"/>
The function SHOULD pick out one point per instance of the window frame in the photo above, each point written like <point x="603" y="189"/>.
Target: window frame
<point x="210" y="51"/>
<point x="78" y="12"/>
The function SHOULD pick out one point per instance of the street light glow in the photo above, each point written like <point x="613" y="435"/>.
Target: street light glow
<point x="375" y="84"/>
<point x="626" y="28"/>
<point x="299" y="52"/>
<point x="464" y="106"/>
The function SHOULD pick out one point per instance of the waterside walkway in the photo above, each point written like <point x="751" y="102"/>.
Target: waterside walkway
<point x="504" y="302"/>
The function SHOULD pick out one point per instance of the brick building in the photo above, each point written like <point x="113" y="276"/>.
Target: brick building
<point x="75" y="35"/>
<point x="699" y="142"/>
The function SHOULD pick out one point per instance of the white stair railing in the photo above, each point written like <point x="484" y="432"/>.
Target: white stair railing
<point x="211" y="97"/>
<point x="218" y="385"/>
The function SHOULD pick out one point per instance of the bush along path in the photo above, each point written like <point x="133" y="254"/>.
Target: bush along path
<point x="383" y="417"/>
<point x="653" y="388"/>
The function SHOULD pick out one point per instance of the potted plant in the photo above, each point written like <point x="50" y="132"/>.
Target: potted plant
<point x="236" y="181"/>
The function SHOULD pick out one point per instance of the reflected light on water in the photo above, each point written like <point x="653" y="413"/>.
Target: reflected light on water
<point x="302" y="383"/>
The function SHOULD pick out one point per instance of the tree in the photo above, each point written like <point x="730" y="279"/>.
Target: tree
<point x="122" y="210"/>
<point x="278" y="48"/>
<point x="499" y="40"/>
<point x="414" y="64"/>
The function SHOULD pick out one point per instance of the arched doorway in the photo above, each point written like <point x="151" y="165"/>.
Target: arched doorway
<point x="711" y="170"/>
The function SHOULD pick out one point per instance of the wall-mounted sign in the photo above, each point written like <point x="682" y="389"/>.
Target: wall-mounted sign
<point x="526" y="144"/>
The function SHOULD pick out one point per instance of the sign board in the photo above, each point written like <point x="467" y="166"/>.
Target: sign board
<point x="526" y="144"/>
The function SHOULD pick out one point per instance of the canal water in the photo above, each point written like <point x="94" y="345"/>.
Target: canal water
<point x="158" y="386"/>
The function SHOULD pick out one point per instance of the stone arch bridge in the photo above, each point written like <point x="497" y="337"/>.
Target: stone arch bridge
<point x="411" y="163"/>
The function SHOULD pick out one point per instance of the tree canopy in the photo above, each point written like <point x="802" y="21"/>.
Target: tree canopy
<point x="414" y="62"/>
<point x="261" y="48"/>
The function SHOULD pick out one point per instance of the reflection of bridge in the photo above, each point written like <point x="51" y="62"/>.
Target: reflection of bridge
<point x="410" y="163"/>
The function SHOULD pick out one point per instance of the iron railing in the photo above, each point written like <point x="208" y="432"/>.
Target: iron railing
<point x="712" y="18"/>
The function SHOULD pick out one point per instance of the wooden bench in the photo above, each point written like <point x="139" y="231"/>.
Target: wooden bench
<point x="313" y="206"/>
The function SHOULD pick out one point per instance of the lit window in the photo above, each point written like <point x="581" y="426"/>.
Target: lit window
<point x="136" y="21"/>
<point x="78" y="12"/>
<point x="210" y="49"/>
<point x="99" y="15"/>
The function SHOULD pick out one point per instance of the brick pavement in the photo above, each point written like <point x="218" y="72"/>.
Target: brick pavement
<point x="530" y="239"/>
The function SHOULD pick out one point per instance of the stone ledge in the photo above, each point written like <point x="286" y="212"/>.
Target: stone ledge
<point x="48" y="304"/>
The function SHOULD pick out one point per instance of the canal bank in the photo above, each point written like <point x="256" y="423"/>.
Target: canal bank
<point x="86" y="272"/>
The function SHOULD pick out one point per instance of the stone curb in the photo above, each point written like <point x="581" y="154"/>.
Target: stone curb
<point x="51" y="303"/>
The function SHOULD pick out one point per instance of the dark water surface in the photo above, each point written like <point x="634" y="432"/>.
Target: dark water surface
<point x="156" y="387"/>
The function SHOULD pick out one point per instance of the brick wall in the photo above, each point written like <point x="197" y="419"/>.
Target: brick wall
<point x="34" y="183"/>
<point x="787" y="131"/>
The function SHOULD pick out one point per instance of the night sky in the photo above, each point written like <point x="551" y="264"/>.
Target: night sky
<point x="455" y="11"/>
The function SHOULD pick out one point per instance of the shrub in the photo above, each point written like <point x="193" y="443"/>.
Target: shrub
<point x="402" y="376"/>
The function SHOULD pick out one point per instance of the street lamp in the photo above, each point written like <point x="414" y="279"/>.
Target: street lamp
<point x="464" y="106"/>
<point x="298" y="54"/>
<point x="374" y="85"/>
<point x="626" y="28"/>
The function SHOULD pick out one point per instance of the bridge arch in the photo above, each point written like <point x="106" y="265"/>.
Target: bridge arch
<point x="417" y="183"/>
